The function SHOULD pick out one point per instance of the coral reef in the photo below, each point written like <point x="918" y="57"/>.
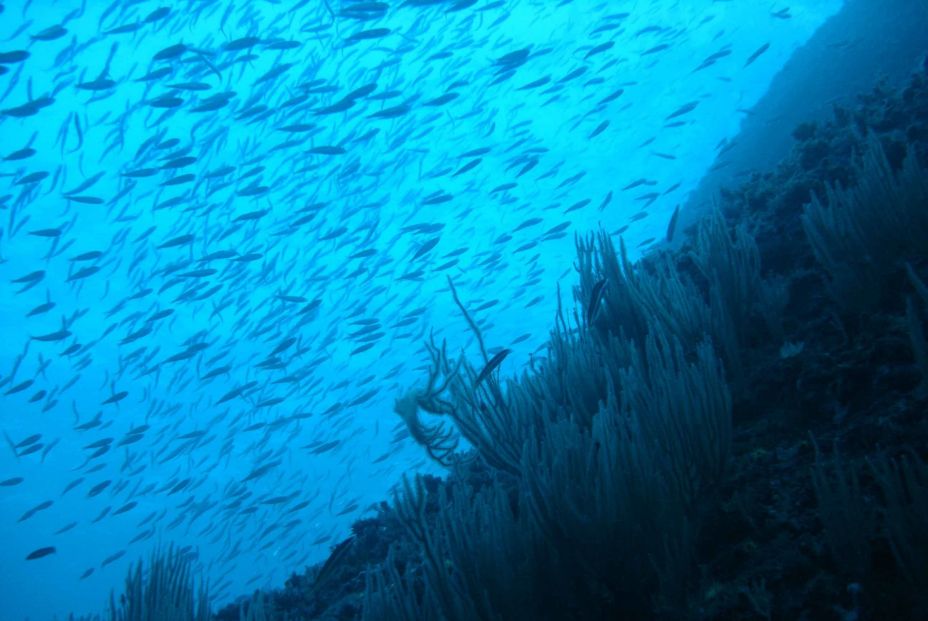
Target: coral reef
<point x="734" y="430"/>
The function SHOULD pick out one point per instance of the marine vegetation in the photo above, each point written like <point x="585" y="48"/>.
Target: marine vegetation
<point x="164" y="590"/>
<point x="732" y="430"/>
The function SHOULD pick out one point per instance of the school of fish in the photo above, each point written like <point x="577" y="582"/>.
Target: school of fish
<point x="226" y="229"/>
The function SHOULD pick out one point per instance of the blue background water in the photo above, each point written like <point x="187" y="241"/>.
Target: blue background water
<point x="187" y="472"/>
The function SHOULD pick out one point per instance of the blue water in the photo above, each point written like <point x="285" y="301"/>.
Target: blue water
<point x="227" y="229"/>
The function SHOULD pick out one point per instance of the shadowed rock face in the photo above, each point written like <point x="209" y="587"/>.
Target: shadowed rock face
<point x="864" y="43"/>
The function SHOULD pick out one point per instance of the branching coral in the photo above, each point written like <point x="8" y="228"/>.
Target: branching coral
<point x="603" y="455"/>
<point x="165" y="591"/>
<point x="861" y="234"/>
